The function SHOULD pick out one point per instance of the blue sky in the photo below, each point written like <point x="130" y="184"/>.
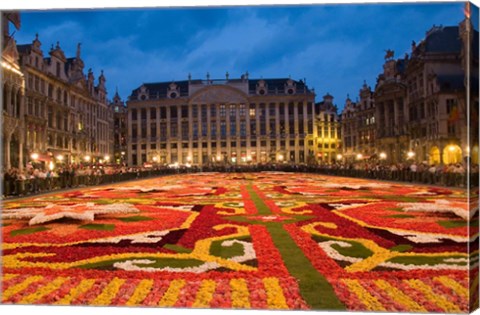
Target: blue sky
<point x="335" y="47"/>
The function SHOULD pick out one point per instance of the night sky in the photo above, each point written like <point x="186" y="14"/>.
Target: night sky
<point x="334" y="47"/>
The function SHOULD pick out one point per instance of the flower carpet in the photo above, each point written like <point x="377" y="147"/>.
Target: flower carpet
<point x="267" y="240"/>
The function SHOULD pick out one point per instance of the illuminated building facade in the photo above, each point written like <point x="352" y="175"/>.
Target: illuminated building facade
<point x="328" y="140"/>
<point x="67" y="119"/>
<point x="229" y="121"/>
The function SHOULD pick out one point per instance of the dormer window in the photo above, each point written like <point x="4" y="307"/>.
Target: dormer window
<point x="261" y="87"/>
<point x="290" y="87"/>
<point x="143" y="93"/>
<point x="173" y="91"/>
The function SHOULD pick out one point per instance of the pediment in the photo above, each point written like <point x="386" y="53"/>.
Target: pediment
<point x="219" y="94"/>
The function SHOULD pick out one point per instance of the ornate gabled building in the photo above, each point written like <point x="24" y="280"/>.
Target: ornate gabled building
<point x="13" y="90"/>
<point x="67" y="118"/>
<point x="437" y="104"/>
<point x="348" y="123"/>
<point x="391" y="111"/>
<point x="328" y="140"/>
<point x="234" y="121"/>
<point x="358" y="126"/>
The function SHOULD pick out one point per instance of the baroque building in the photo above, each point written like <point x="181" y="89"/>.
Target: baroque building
<point x="226" y="121"/>
<point x="67" y="118"/>
<point x="391" y="111"/>
<point x="359" y="126"/>
<point x="328" y="140"/>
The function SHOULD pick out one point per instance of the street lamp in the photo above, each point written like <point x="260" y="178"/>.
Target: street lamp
<point x="87" y="158"/>
<point x="339" y="157"/>
<point x="382" y="155"/>
<point x="280" y="157"/>
<point x="34" y="156"/>
<point x="410" y="154"/>
<point x="155" y="159"/>
<point x="359" y="156"/>
<point x="106" y="158"/>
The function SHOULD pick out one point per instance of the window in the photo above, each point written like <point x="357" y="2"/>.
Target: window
<point x="195" y="130"/>
<point x="173" y="129"/>
<point x="204" y="111"/>
<point x="252" y="111"/>
<point x="241" y="109"/>
<point x="185" y="130"/>
<point x="163" y="131"/>
<point x="204" y="128"/>
<point x="163" y="113"/>
<point x="213" y="111"/>
<point x="243" y="128"/>
<point x="223" y="129"/>
<point x="300" y="109"/>
<point x="271" y="110"/>
<point x="153" y="130"/>
<point x="184" y="111"/>
<point x="253" y="128"/>
<point x="153" y="113"/>
<point x="222" y="110"/>
<point x="173" y="112"/>
<point x="233" y="111"/>
<point x="134" y="114"/>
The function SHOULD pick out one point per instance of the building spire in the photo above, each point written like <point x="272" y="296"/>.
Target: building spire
<point x="78" y="50"/>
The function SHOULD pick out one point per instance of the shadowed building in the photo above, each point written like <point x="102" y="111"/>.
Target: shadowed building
<point x="436" y="97"/>
<point x="234" y="121"/>
<point x="421" y="99"/>
<point x="120" y="131"/>
<point x="359" y="127"/>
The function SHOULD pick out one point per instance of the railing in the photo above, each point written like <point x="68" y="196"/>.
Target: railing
<point x="39" y="185"/>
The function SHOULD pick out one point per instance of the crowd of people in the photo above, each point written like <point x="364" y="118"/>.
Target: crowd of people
<point x="35" y="179"/>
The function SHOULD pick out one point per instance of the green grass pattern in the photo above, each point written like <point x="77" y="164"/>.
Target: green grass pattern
<point x="98" y="227"/>
<point x="314" y="288"/>
<point x="28" y="231"/>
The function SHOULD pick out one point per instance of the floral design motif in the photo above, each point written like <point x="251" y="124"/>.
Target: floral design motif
<point x="225" y="241"/>
<point x="81" y="212"/>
